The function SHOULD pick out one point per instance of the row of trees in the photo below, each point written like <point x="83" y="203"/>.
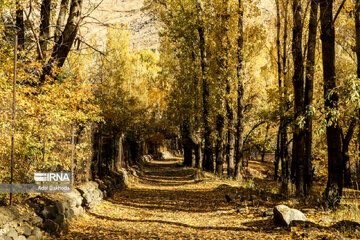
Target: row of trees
<point x="209" y="49"/>
<point x="76" y="102"/>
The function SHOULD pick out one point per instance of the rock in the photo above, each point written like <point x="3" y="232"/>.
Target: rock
<point x="24" y="230"/>
<point x="36" y="221"/>
<point x="21" y="237"/>
<point x="268" y="213"/>
<point x="13" y="234"/>
<point x="294" y="201"/>
<point x="327" y="220"/>
<point x="283" y="215"/>
<point x="36" y="232"/>
<point x="60" y="219"/>
<point x="49" y="211"/>
<point x="33" y="238"/>
<point x="5" y="238"/>
<point x="51" y="227"/>
<point x="346" y="225"/>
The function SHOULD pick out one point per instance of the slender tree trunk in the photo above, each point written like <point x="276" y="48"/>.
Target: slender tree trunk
<point x="220" y="125"/>
<point x="264" y="144"/>
<point x="20" y="27"/>
<point x="279" y="145"/>
<point x="240" y="95"/>
<point x="357" y="49"/>
<point x="333" y="192"/>
<point x="298" y="83"/>
<point x="197" y="152"/>
<point x="60" y="23"/>
<point x="285" y="159"/>
<point x="45" y="15"/>
<point x="309" y="86"/>
<point x="208" y="158"/>
<point x="277" y="156"/>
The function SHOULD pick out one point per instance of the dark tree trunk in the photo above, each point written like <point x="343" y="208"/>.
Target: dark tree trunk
<point x="333" y="192"/>
<point x="277" y="156"/>
<point x="298" y="83"/>
<point x="44" y="37"/>
<point x="264" y="144"/>
<point x="309" y="86"/>
<point x="240" y="95"/>
<point x="208" y="158"/>
<point x="278" y="152"/>
<point x="20" y="27"/>
<point x="230" y="140"/>
<point x="187" y="143"/>
<point x="220" y="128"/>
<point x="63" y="45"/>
<point x="345" y="153"/>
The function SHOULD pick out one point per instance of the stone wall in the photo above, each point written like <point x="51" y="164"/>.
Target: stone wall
<point x="51" y="213"/>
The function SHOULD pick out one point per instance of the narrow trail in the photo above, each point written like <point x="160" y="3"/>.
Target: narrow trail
<point x="167" y="202"/>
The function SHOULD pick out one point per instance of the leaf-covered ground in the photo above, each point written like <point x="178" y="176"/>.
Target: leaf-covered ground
<point x="171" y="202"/>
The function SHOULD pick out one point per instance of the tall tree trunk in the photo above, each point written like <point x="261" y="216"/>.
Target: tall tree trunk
<point x="66" y="40"/>
<point x="298" y="83"/>
<point x="333" y="192"/>
<point x="60" y="23"/>
<point x="357" y="49"/>
<point x="20" y="27"/>
<point x="345" y="152"/>
<point x="284" y="146"/>
<point x="220" y="128"/>
<point x="208" y="158"/>
<point x="309" y="86"/>
<point x="45" y="15"/>
<point x="230" y="134"/>
<point x="187" y="142"/>
<point x="278" y="151"/>
<point x="240" y="95"/>
<point x="264" y="144"/>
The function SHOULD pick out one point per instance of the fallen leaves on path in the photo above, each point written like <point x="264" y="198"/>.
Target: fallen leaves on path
<point x="167" y="202"/>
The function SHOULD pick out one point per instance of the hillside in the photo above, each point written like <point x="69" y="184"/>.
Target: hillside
<point x="101" y="14"/>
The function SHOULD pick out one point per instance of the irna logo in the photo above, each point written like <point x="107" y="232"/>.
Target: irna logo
<point x="52" y="177"/>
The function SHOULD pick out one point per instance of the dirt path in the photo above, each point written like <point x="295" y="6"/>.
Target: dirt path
<point x="168" y="203"/>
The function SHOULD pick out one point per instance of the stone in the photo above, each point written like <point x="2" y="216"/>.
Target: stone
<point x="294" y="201"/>
<point x="36" y="221"/>
<point x="21" y="237"/>
<point x="49" y="212"/>
<point x="51" y="227"/>
<point x="24" y="230"/>
<point x="60" y="219"/>
<point x="13" y="234"/>
<point x="269" y="212"/>
<point x="33" y="238"/>
<point x="36" y="232"/>
<point x="283" y="215"/>
<point x="346" y="225"/>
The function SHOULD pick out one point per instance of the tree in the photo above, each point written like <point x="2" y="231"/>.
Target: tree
<point x="333" y="192"/>
<point x="240" y="96"/>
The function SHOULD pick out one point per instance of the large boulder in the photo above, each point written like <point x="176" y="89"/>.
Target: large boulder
<point x="283" y="215"/>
